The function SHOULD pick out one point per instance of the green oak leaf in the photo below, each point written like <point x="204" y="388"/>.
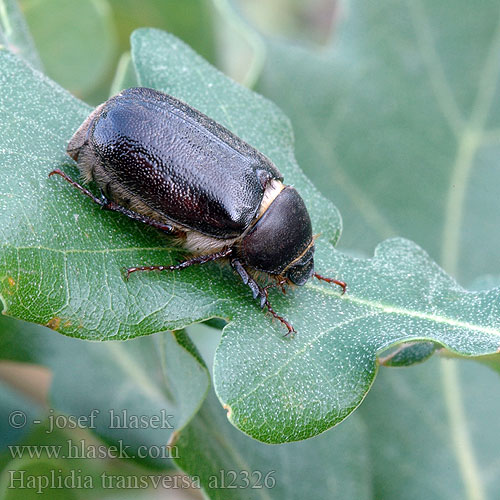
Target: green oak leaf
<point x="62" y="258"/>
<point x="333" y="465"/>
<point x="397" y="121"/>
<point x="288" y="392"/>
<point x="432" y="431"/>
<point x="211" y="449"/>
<point x="159" y="379"/>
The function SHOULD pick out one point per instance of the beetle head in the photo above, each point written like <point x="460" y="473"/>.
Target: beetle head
<point x="302" y="269"/>
<point x="281" y="241"/>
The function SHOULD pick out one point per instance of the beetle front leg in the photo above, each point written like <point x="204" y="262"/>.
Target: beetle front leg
<point x="248" y="280"/>
<point x="258" y="291"/>
<point x="341" y="284"/>
<point x="106" y="204"/>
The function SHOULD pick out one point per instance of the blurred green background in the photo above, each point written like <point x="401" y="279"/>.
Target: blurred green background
<point x="80" y="41"/>
<point x="370" y="136"/>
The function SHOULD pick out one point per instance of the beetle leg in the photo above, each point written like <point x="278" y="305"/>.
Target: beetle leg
<point x="106" y="204"/>
<point x="260" y="291"/>
<point x="290" y="328"/>
<point x="200" y="259"/>
<point x="248" y="280"/>
<point x="331" y="280"/>
<point x="115" y="207"/>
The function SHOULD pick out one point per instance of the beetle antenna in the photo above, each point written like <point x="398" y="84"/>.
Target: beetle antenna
<point x="331" y="280"/>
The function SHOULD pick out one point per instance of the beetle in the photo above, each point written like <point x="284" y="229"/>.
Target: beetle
<point x="159" y="161"/>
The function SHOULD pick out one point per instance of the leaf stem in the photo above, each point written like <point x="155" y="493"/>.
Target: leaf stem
<point x="464" y="160"/>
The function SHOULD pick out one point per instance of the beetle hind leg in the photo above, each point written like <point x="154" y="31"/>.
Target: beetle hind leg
<point x="262" y="292"/>
<point x="106" y="204"/>
<point x="75" y="184"/>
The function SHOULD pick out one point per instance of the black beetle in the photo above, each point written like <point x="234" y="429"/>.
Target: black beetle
<point x="162" y="162"/>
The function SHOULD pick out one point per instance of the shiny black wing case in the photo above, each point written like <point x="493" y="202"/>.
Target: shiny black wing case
<point x="180" y="163"/>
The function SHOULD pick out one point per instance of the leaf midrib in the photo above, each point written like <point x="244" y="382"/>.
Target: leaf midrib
<point x="388" y="309"/>
<point x="380" y="307"/>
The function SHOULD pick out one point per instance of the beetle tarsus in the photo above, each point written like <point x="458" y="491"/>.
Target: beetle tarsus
<point x="280" y="283"/>
<point x="288" y="325"/>
<point x="262" y="292"/>
<point x="200" y="259"/>
<point x="85" y="191"/>
<point x="341" y="284"/>
<point x="106" y="204"/>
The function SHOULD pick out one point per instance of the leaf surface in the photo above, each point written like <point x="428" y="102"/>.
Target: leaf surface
<point x="334" y="465"/>
<point x="210" y="448"/>
<point x="62" y="259"/>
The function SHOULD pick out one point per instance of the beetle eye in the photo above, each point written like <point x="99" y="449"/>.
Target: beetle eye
<point x="302" y="269"/>
<point x="299" y="274"/>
